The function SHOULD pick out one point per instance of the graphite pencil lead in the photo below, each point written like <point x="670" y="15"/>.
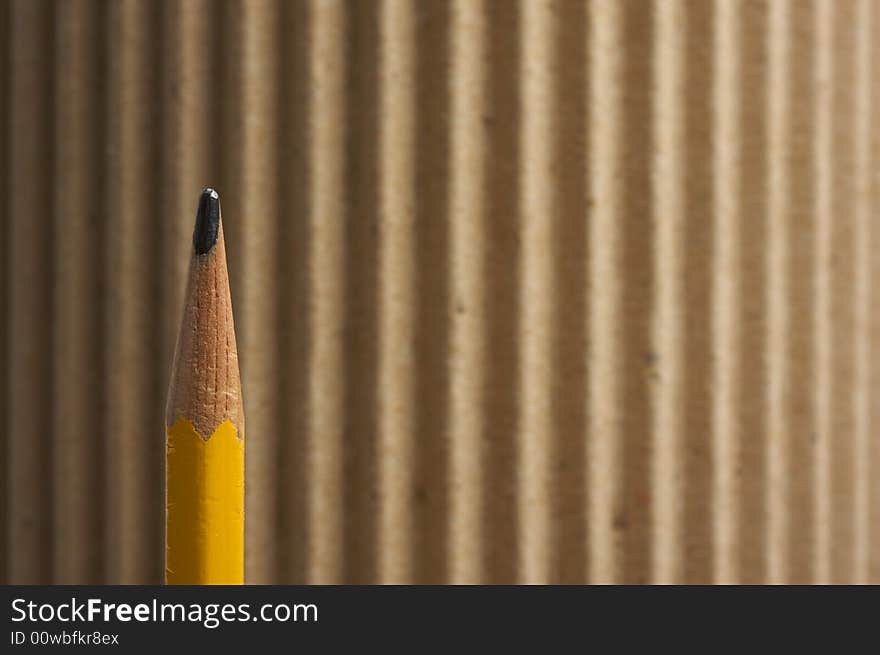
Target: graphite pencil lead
<point x="207" y="222"/>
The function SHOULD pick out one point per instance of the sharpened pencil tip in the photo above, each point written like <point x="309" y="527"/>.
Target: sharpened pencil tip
<point x="207" y="222"/>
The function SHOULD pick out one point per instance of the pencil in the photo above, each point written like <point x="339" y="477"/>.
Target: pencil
<point x="204" y="420"/>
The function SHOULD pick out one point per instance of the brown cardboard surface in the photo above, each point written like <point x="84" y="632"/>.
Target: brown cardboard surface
<point x="537" y="291"/>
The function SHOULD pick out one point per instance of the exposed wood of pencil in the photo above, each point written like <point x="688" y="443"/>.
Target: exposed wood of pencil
<point x="205" y="422"/>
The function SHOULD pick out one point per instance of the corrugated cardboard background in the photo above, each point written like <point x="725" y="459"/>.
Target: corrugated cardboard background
<point x="538" y="291"/>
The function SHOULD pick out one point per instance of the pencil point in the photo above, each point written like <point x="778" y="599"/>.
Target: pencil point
<point x="207" y="221"/>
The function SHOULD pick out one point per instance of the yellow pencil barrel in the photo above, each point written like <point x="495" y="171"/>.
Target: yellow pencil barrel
<point x="205" y="506"/>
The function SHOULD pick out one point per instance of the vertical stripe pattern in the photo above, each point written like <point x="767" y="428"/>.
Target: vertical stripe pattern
<point x="534" y="291"/>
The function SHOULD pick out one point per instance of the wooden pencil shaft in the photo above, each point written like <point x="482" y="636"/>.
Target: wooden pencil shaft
<point x="205" y="423"/>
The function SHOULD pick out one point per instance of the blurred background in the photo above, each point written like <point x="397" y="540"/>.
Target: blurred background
<point x="537" y="291"/>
